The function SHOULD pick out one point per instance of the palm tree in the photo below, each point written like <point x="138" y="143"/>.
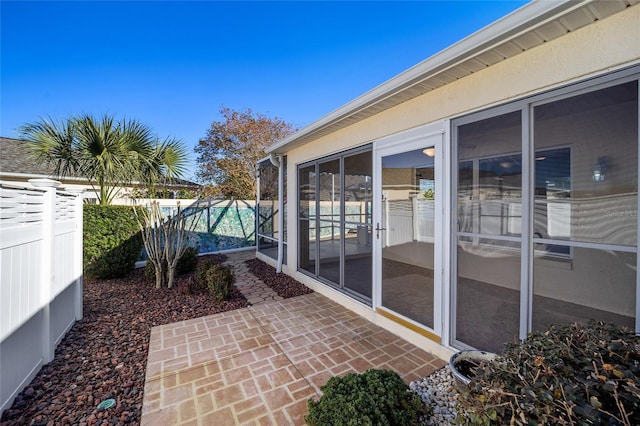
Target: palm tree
<point x="110" y="154"/>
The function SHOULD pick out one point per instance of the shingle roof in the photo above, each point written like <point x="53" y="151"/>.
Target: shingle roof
<point x="16" y="158"/>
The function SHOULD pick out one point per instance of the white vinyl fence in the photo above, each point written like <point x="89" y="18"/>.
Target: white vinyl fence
<point x="40" y="278"/>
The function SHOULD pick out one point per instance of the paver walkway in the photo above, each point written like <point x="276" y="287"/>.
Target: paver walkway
<point x="252" y="287"/>
<point x="259" y="365"/>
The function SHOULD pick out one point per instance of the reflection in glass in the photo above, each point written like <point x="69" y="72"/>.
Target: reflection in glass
<point x="307" y="191"/>
<point x="329" y="255"/>
<point x="489" y="201"/>
<point x="597" y="285"/>
<point x="307" y="219"/>
<point x="552" y="209"/>
<point x="490" y="176"/>
<point x="267" y="210"/>
<point x="408" y="186"/>
<point x="487" y="294"/>
<point x="602" y="128"/>
<point x="586" y="192"/>
<point x="329" y="210"/>
<point x="308" y="246"/>
<point x="357" y="216"/>
<point x="335" y="222"/>
<point x="329" y="190"/>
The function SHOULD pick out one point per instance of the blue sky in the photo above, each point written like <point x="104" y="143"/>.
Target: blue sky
<point x="172" y="65"/>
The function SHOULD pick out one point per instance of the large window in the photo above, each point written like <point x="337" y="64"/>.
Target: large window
<point x="489" y="223"/>
<point x="268" y="211"/>
<point x="334" y="221"/>
<point x="546" y="214"/>
<point x="586" y="203"/>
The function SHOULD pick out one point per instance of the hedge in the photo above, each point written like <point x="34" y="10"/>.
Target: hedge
<point x="112" y="241"/>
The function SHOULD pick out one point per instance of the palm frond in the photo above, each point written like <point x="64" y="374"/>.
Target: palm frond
<point x="173" y="154"/>
<point x="52" y="143"/>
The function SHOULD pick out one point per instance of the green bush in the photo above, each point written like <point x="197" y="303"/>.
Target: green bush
<point x="566" y="375"/>
<point x="375" y="397"/>
<point x="112" y="241"/>
<point x="217" y="278"/>
<point x="187" y="263"/>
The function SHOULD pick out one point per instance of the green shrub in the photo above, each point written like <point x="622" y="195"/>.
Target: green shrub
<point x="375" y="397"/>
<point x="566" y="375"/>
<point x="150" y="271"/>
<point x="112" y="242"/>
<point x="217" y="278"/>
<point x="187" y="263"/>
<point x="204" y="265"/>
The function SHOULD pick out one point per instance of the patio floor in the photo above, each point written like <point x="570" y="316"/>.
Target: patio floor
<point x="259" y="365"/>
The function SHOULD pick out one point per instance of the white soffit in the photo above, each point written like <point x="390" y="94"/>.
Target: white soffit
<point x="532" y="25"/>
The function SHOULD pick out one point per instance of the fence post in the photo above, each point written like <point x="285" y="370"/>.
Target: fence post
<point x="46" y="264"/>
<point x="78" y="249"/>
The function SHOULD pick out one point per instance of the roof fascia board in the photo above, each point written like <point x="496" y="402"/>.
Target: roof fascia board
<point x="42" y="176"/>
<point x="524" y="18"/>
<point x="84" y="181"/>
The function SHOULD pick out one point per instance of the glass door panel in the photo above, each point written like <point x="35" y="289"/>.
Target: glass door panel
<point x="586" y="208"/>
<point x="329" y="211"/>
<point x="408" y="234"/>
<point x="334" y="222"/>
<point x="358" y="199"/>
<point x="307" y="218"/>
<point x="486" y="292"/>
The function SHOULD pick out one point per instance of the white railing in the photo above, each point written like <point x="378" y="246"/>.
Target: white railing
<point x="40" y="277"/>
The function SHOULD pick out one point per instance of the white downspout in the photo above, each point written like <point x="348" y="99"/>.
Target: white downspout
<point x="276" y="160"/>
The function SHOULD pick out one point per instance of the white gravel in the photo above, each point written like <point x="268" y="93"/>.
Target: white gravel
<point x="439" y="392"/>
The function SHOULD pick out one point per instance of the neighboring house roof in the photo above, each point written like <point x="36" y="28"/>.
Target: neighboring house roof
<point x="17" y="162"/>
<point x="532" y="25"/>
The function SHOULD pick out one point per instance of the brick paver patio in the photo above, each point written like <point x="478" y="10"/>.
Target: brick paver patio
<point x="259" y="365"/>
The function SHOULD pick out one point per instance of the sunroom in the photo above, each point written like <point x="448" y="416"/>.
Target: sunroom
<point x="487" y="192"/>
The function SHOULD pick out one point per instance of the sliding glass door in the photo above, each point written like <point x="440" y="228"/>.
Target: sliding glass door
<point x="546" y="215"/>
<point x="586" y="208"/>
<point x="334" y="222"/>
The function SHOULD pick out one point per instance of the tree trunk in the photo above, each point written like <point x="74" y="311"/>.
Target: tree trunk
<point x="170" y="274"/>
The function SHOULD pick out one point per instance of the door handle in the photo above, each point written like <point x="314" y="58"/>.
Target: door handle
<point x="378" y="229"/>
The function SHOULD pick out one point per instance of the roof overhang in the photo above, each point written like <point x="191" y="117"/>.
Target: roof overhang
<point x="532" y="25"/>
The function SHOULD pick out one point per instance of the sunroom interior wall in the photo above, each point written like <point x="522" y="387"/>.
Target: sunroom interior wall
<point x="597" y="48"/>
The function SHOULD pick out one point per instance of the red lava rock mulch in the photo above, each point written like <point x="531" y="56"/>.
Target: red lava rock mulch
<point x="105" y="354"/>
<point x="282" y="284"/>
